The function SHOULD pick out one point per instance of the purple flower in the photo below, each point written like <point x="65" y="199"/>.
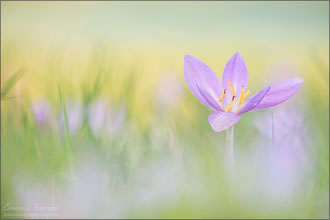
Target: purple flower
<point x="229" y="98"/>
<point x="42" y="113"/>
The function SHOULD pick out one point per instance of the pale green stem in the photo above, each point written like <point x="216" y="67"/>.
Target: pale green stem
<point x="272" y="130"/>
<point x="230" y="146"/>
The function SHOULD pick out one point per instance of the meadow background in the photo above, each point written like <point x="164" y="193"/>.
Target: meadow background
<point x="98" y="122"/>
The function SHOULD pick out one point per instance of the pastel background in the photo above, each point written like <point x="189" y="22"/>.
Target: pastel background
<point x="98" y="122"/>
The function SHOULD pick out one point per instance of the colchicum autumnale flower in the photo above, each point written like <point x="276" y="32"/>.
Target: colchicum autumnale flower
<point x="229" y="99"/>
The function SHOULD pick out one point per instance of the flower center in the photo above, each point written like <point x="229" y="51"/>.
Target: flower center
<point x="231" y="107"/>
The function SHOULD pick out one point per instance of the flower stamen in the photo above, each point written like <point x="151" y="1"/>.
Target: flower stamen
<point x="246" y="94"/>
<point x="241" y="97"/>
<point x="223" y="94"/>
<point x="231" y="88"/>
<point x="230" y="106"/>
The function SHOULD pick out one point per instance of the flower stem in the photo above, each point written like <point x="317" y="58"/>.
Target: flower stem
<point x="272" y="130"/>
<point x="229" y="146"/>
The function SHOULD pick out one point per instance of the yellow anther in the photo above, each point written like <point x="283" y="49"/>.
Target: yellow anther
<point x="230" y="106"/>
<point x="231" y="88"/>
<point x="223" y="95"/>
<point x="246" y="94"/>
<point x="241" y="97"/>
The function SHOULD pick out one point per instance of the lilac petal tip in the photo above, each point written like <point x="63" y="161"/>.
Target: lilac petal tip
<point x="235" y="72"/>
<point x="279" y="93"/>
<point x="220" y="121"/>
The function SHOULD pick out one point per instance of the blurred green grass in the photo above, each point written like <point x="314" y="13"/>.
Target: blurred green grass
<point x="45" y="155"/>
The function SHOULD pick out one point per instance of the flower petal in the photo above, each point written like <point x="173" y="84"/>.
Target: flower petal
<point x="236" y="72"/>
<point x="212" y="103"/>
<point x="254" y="100"/>
<point x="280" y="93"/>
<point x="220" y="121"/>
<point x="197" y="72"/>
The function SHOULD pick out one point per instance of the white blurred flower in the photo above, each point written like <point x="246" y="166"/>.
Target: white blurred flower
<point x="87" y="193"/>
<point x="157" y="186"/>
<point x="75" y="114"/>
<point x="104" y="120"/>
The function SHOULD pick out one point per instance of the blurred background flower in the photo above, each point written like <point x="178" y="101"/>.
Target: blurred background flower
<point x="284" y="126"/>
<point x="104" y="120"/>
<point x="74" y="116"/>
<point x="43" y="113"/>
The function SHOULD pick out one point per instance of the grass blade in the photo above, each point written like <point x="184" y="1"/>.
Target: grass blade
<point x="11" y="82"/>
